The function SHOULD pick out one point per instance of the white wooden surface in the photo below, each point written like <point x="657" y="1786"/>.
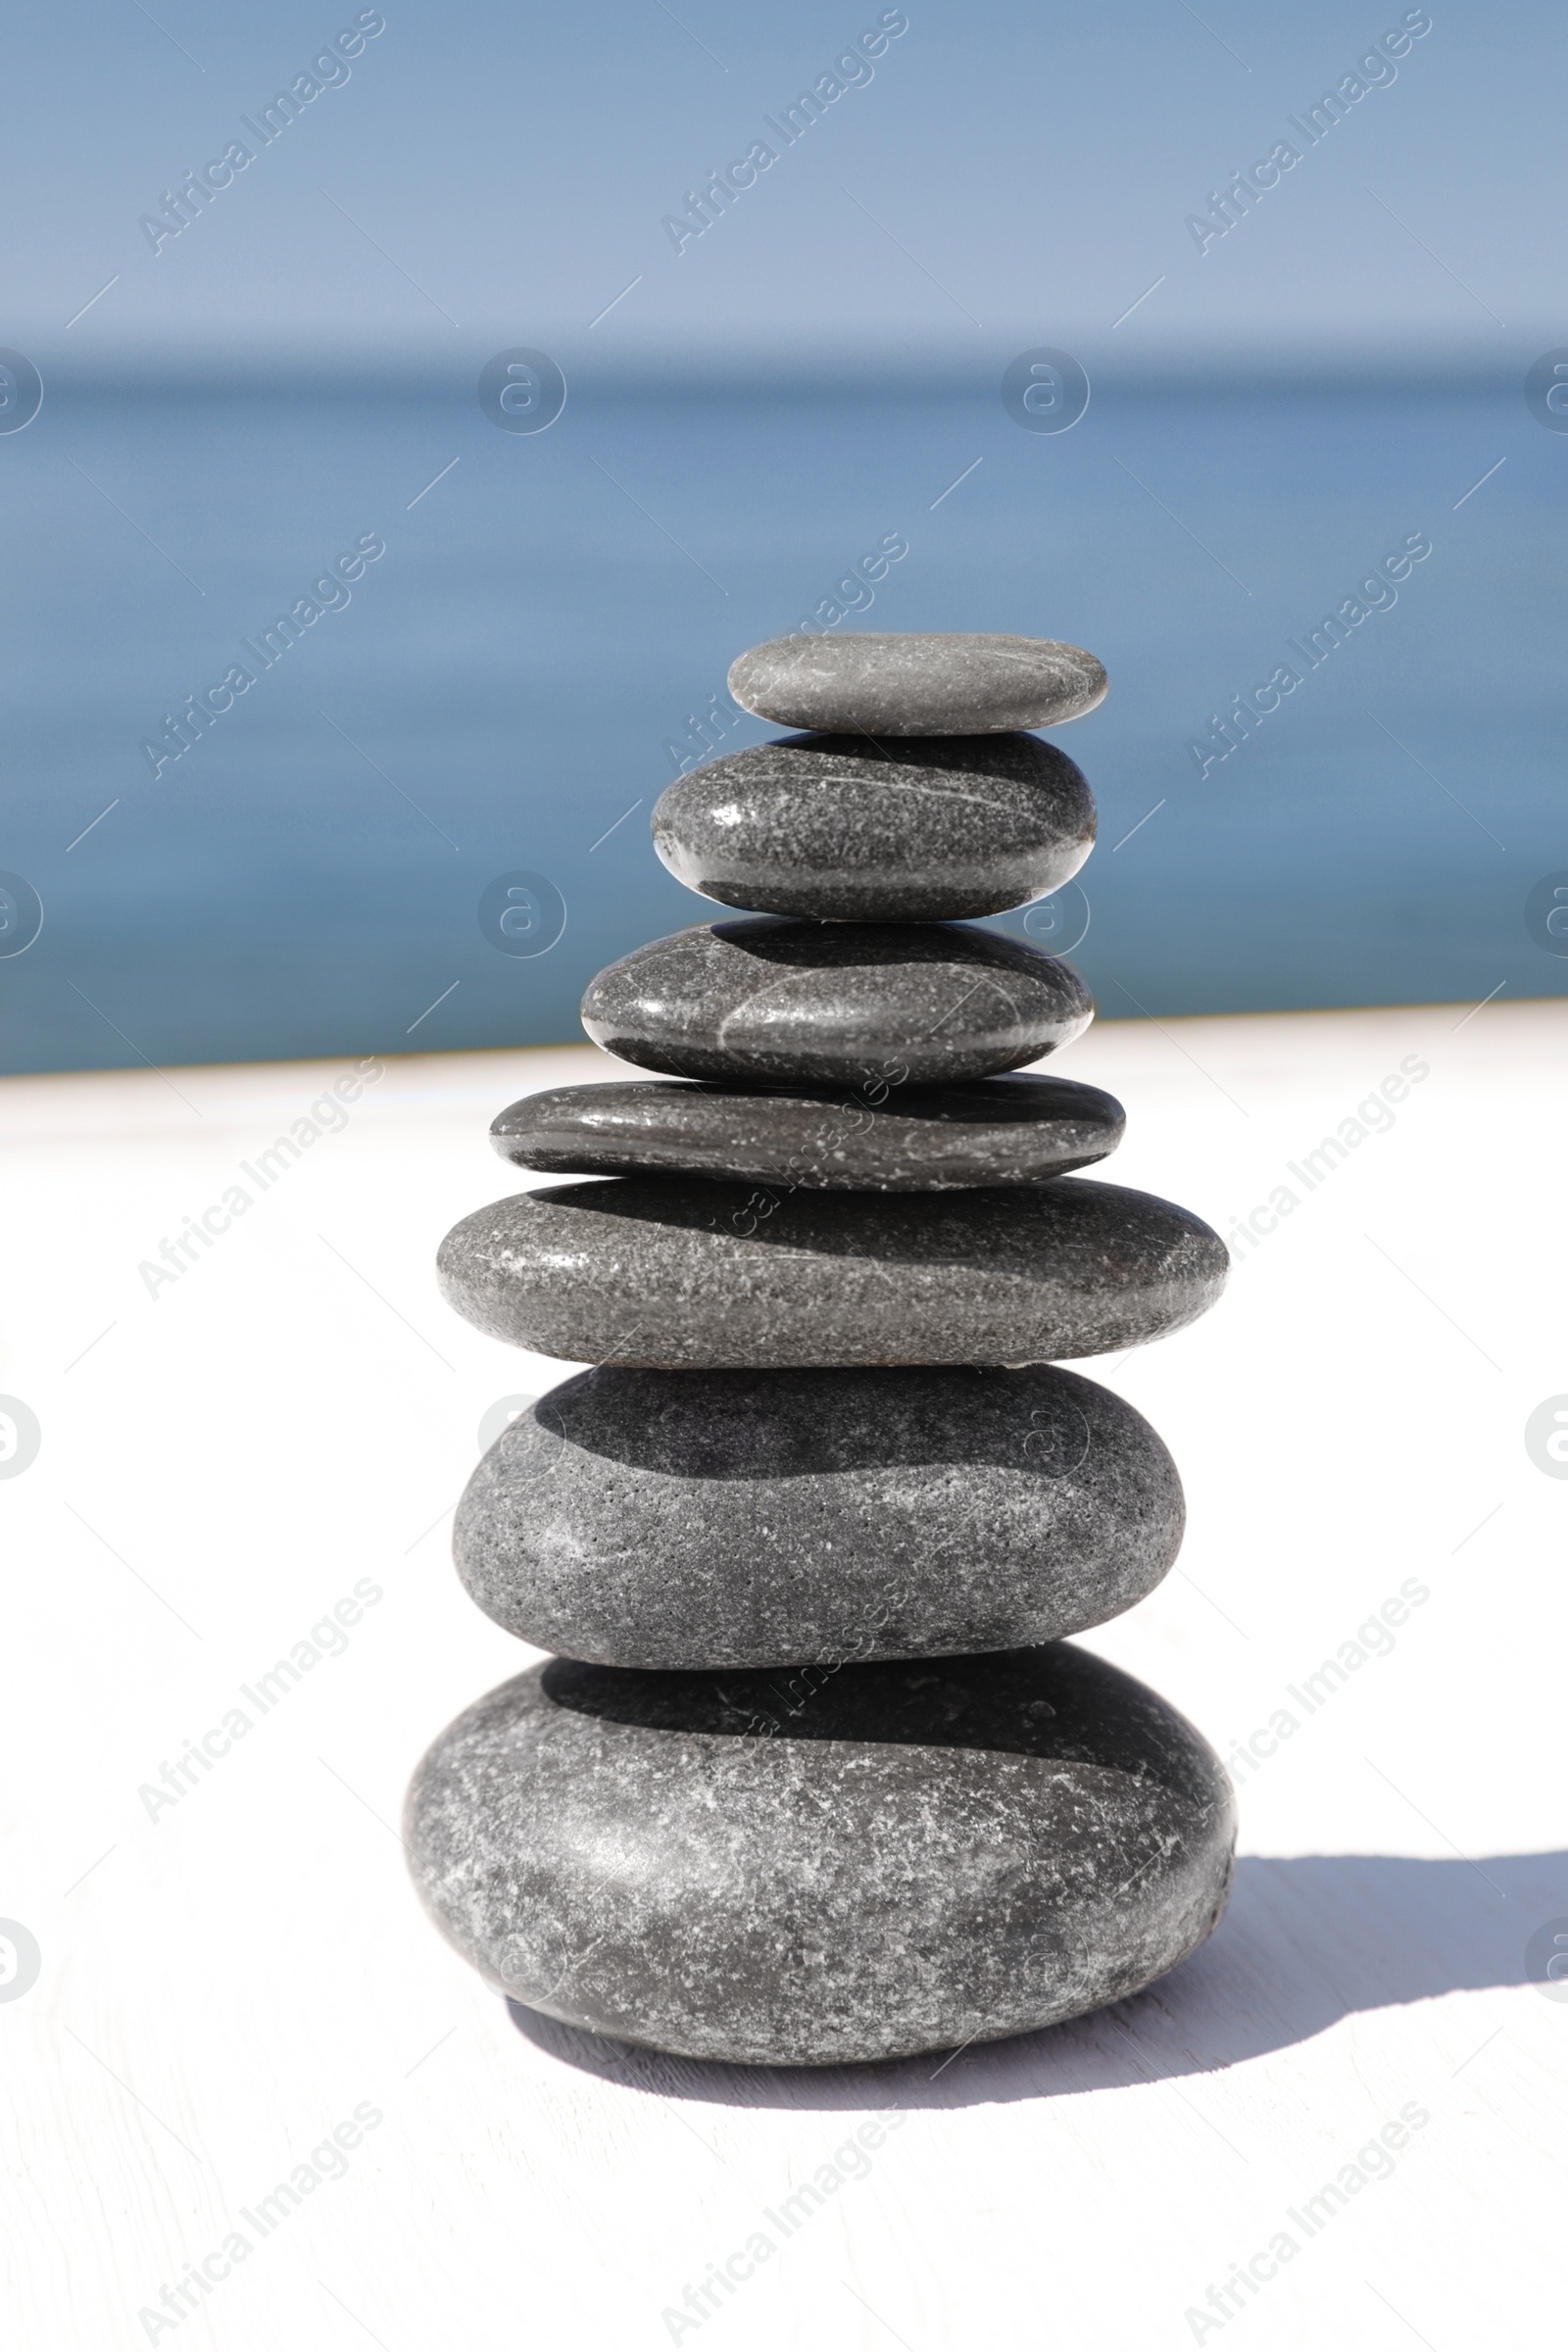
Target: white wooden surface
<point x="224" y="1982"/>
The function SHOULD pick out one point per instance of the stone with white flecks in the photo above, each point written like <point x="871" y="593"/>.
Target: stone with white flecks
<point x="874" y="682"/>
<point x="904" y="1858"/>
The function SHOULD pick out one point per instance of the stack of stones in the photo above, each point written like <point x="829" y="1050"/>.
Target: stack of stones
<point x="813" y="1777"/>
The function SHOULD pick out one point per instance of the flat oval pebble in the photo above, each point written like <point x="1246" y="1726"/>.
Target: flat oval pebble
<point x="770" y="1001"/>
<point x="788" y="1518"/>
<point x="843" y="830"/>
<point x="1014" y="1130"/>
<point x="907" y="1858"/>
<point x="673" y="1271"/>
<point x="878" y="683"/>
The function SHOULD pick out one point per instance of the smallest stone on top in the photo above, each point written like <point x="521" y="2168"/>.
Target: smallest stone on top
<point x="884" y="683"/>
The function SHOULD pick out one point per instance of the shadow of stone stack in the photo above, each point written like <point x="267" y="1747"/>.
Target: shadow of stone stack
<point x="815" y="1777"/>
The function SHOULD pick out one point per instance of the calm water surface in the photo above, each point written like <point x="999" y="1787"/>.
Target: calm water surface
<point x="509" y="685"/>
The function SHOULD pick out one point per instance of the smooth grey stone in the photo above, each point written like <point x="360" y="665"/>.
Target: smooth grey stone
<point x="934" y="1139"/>
<point x="676" y="1273"/>
<point x="911" y="1857"/>
<point x="789" y="1518"/>
<point x="843" y="830"/>
<point x="771" y="1000"/>
<point x="877" y="682"/>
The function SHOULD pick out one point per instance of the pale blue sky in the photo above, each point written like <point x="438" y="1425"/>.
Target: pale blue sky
<point x="1011" y="175"/>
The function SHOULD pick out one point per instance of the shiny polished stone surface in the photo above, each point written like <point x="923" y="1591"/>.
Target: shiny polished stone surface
<point x="768" y="1001"/>
<point x="840" y="828"/>
<point x="1011" y="1129"/>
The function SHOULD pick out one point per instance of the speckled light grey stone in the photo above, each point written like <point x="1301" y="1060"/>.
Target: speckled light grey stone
<point x="843" y="829"/>
<point x="1012" y="1130"/>
<point x="923" y="1855"/>
<point x="874" y="682"/>
<point x="672" y="1271"/>
<point x="769" y="1001"/>
<point x="789" y="1518"/>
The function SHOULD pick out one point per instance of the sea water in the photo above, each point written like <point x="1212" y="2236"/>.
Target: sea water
<point x="542" y="645"/>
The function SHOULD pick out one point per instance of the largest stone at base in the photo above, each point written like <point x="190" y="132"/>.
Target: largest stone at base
<point x="811" y="1868"/>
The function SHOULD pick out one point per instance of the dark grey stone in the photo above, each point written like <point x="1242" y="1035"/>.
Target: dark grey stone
<point x="877" y="683"/>
<point x="676" y="1273"/>
<point x="790" y="1518"/>
<point x="920" y="1855"/>
<point x="843" y="829"/>
<point x="773" y="1002"/>
<point x="920" y="1138"/>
